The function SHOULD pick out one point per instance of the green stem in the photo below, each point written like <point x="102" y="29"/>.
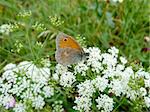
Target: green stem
<point x="121" y="102"/>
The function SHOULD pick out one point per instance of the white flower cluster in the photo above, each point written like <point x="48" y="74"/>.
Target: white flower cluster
<point x="81" y="68"/>
<point x="105" y="103"/>
<point x="84" y="101"/>
<point x="19" y="107"/>
<point x="120" y="1"/>
<point x="65" y="78"/>
<point x="114" y="76"/>
<point x="57" y="106"/>
<point x="86" y="90"/>
<point x="146" y="94"/>
<point x="94" y="61"/>
<point x="107" y="73"/>
<point x="27" y="82"/>
<point x="6" y="29"/>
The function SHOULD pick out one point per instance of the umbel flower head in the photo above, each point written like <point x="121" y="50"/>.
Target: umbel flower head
<point x="27" y="82"/>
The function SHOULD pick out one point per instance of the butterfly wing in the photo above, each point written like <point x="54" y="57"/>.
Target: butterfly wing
<point x="65" y="41"/>
<point x="68" y="51"/>
<point x="67" y="56"/>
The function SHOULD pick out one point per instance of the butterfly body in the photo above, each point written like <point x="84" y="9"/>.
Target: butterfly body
<point x="68" y="51"/>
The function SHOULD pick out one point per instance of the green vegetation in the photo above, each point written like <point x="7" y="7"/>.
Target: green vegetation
<point x="35" y="24"/>
<point x="123" y="25"/>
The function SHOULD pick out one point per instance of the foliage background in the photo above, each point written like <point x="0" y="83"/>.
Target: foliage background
<point x="129" y="26"/>
<point x="103" y="24"/>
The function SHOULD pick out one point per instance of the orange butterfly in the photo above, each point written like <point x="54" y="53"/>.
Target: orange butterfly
<point x="68" y="51"/>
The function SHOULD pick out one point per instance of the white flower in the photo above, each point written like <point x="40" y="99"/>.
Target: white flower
<point x="9" y="66"/>
<point x="10" y="103"/>
<point x="6" y="29"/>
<point x="100" y="83"/>
<point x="38" y="75"/>
<point x="130" y="93"/>
<point x="38" y="102"/>
<point x="48" y="91"/>
<point x="114" y="51"/>
<point x="129" y="71"/>
<point x="67" y="79"/>
<point x="25" y="65"/>
<point x="120" y="67"/>
<point x="143" y="91"/>
<point x="5" y="87"/>
<point x="146" y="75"/>
<point x="94" y="59"/>
<point x="1" y="99"/>
<point x="94" y="53"/>
<point x="120" y="1"/>
<point x="10" y="76"/>
<point x="109" y="72"/>
<point x="57" y="106"/>
<point x="96" y="66"/>
<point x="142" y="73"/>
<point x="19" y="107"/>
<point x="86" y="88"/>
<point x="45" y="72"/>
<point x="60" y="69"/>
<point x="44" y="75"/>
<point x="109" y="60"/>
<point x="147" y="83"/>
<point x="105" y="103"/>
<point x="20" y="86"/>
<point x="116" y="87"/>
<point x="123" y="60"/>
<point x="83" y="104"/>
<point x="28" y="94"/>
<point x="81" y="68"/>
<point x="147" y="101"/>
<point x="55" y="76"/>
<point x="36" y="88"/>
<point x="6" y="100"/>
<point x="125" y="77"/>
<point x="1" y="80"/>
<point x="25" y="81"/>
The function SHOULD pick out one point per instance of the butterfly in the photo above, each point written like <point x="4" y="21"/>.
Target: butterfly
<point x="68" y="51"/>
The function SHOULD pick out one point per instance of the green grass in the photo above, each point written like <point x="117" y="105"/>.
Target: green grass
<point x="87" y="18"/>
<point x="123" y="25"/>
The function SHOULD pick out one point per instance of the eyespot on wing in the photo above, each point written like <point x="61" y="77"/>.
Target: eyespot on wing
<point x="66" y="41"/>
